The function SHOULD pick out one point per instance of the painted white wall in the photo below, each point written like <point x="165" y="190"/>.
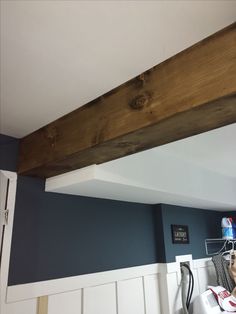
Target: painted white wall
<point x="68" y="303"/>
<point x="23" y="307"/>
<point x="100" y="299"/>
<point x="58" y="55"/>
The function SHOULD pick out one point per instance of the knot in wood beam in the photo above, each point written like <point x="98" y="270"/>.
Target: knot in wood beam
<point x="140" y="102"/>
<point x="51" y="134"/>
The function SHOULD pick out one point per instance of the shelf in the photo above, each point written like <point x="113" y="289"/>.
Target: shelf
<point x="217" y="245"/>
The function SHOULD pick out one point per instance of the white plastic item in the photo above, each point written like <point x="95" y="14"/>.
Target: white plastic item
<point x="206" y="303"/>
<point x="224" y="298"/>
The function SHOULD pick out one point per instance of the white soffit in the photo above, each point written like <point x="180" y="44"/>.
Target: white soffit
<point x="58" y="55"/>
<point x="214" y="150"/>
<point x="160" y="175"/>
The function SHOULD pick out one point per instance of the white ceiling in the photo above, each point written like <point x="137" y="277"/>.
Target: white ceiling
<point x="58" y="55"/>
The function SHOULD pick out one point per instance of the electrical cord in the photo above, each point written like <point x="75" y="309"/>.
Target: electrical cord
<point x="189" y="290"/>
<point x="186" y="302"/>
<point x="184" y="282"/>
<point x="191" y="294"/>
<point x="190" y="286"/>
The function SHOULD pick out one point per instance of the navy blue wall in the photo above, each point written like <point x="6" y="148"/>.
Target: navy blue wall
<point x="158" y="225"/>
<point x="202" y="224"/>
<point x="56" y="235"/>
<point x="8" y="152"/>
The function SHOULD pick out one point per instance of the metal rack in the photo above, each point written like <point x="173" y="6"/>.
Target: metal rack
<point x="219" y="245"/>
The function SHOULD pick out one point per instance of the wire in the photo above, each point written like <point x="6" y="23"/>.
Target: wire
<point x="190" y="285"/>
<point x="184" y="282"/>
<point x="189" y="290"/>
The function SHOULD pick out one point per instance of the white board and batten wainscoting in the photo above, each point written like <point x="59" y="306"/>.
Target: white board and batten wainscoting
<point x="147" y="289"/>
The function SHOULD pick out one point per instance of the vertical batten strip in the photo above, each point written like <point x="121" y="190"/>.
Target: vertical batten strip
<point x="144" y="296"/>
<point x="117" y="303"/>
<point x="43" y="305"/>
<point x="82" y="301"/>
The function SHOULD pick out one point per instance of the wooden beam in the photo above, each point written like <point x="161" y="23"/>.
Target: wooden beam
<point x="190" y="93"/>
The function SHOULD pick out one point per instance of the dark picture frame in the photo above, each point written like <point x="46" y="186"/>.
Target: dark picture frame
<point x="180" y="234"/>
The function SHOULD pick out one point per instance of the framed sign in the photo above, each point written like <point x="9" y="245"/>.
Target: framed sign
<point x="180" y="234"/>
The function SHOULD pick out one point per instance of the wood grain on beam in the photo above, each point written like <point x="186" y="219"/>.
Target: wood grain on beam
<point x="190" y="93"/>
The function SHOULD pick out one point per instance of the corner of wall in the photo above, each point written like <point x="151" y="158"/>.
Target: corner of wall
<point x="159" y="232"/>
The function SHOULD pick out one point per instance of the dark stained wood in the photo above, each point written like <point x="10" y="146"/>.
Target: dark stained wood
<point x="190" y="93"/>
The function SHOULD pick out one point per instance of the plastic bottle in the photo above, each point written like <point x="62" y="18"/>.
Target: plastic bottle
<point x="227" y="228"/>
<point x="234" y="229"/>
